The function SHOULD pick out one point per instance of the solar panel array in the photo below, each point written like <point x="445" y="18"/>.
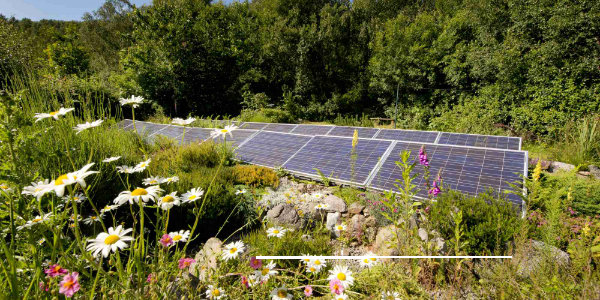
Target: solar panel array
<point x="469" y="163"/>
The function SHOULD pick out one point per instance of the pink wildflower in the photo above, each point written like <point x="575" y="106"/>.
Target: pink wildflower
<point x="149" y="279"/>
<point x="255" y="263"/>
<point x="336" y="286"/>
<point x="43" y="286"/>
<point x="308" y="291"/>
<point x="245" y="281"/>
<point x="186" y="262"/>
<point x="435" y="190"/>
<point x="423" y="157"/>
<point x="55" y="270"/>
<point x="70" y="284"/>
<point x="166" y="240"/>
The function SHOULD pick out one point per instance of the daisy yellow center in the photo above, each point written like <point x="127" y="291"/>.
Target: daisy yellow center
<point x="139" y="192"/>
<point x="390" y="297"/>
<point x="76" y="198"/>
<point x="153" y="181"/>
<point x="53" y="113"/>
<point x="275" y="231"/>
<point x="111" y="239"/>
<point x="68" y="284"/>
<point x="224" y="131"/>
<point x="233" y="250"/>
<point x="216" y="292"/>
<point x="36" y="220"/>
<point x="341" y="276"/>
<point x="168" y="199"/>
<point x="177" y="237"/>
<point x="93" y="217"/>
<point x="192" y="197"/>
<point x="265" y="271"/>
<point x="4" y="186"/>
<point x="56" y="268"/>
<point x="366" y="260"/>
<point x="312" y="269"/>
<point x="282" y="294"/>
<point x="61" y="179"/>
<point x="373" y="258"/>
<point x="37" y="190"/>
<point x="317" y="262"/>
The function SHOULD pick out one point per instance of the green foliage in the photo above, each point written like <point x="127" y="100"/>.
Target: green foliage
<point x="489" y="223"/>
<point x="254" y="176"/>
<point x="266" y="115"/>
<point x="67" y="56"/>
<point x="344" y="120"/>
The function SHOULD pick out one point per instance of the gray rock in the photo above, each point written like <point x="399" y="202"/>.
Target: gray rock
<point x="383" y="245"/>
<point x="439" y="244"/>
<point x="560" y="166"/>
<point x="423" y="234"/>
<point x="335" y="204"/>
<point x="206" y="259"/>
<point x="537" y="254"/>
<point x="595" y="171"/>
<point x="355" y="208"/>
<point x="285" y="215"/>
<point x="355" y="227"/>
<point x="545" y="163"/>
<point x="332" y="220"/>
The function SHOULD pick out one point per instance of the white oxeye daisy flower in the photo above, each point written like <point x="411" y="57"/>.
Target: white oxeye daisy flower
<point x="109" y="208"/>
<point x="55" y="114"/>
<point x="192" y="195"/>
<point x="91" y="220"/>
<point x="112" y="240"/>
<point x="143" y="165"/>
<point x="170" y="180"/>
<point x="78" y="198"/>
<point x="127" y="169"/>
<point x="342" y="274"/>
<point x="169" y="200"/>
<point x="305" y="259"/>
<point x="179" y="236"/>
<point x="111" y="159"/>
<point x="214" y="292"/>
<point x="233" y="250"/>
<point x="281" y="293"/>
<point x="153" y="180"/>
<point x="369" y="260"/>
<point x="223" y="132"/>
<point x="182" y="122"/>
<point x="87" y="125"/>
<point x="38" y="189"/>
<point x="340" y="227"/>
<point x="70" y="178"/>
<point x="340" y="297"/>
<point x="276" y="231"/>
<point x="317" y="263"/>
<point x="322" y="206"/>
<point x="35" y="221"/>
<point x="5" y="188"/>
<point x="317" y="195"/>
<point x="266" y="271"/>
<point x="390" y="296"/>
<point x="253" y="280"/>
<point x="144" y="194"/>
<point x="134" y="101"/>
<point x="240" y="192"/>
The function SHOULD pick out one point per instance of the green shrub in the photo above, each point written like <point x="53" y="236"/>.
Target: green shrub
<point x="490" y="222"/>
<point x="345" y="120"/>
<point x="254" y="176"/>
<point x="171" y="160"/>
<point x="267" y="115"/>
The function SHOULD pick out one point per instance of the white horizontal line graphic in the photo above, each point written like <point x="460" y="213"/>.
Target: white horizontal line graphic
<point x="373" y="256"/>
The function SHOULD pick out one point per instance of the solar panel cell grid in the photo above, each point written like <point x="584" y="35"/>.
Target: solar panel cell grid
<point x="148" y="129"/>
<point x="485" y="141"/>
<point x="257" y="126"/>
<point x="195" y="135"/>
<point x="363" y="132"/>
<point x="280" y="127"/>
<point x="469" y="170"/>
<point x="312" y="129"/>
<point x="271" y="149"/>
<point x="124" y="124"/>
<point x="407" y="135"/>
<point x="172" y="131"/>
<point x="334" y="157"/>
<point x="237" y="137"/>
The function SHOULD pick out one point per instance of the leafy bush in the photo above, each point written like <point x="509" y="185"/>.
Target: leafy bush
<point x="254" y="176"/>
<point x="267" y="115"/>
<point x="344" y="120"/>
<point x="188" y="158"/>
<point x="490" y="222"/>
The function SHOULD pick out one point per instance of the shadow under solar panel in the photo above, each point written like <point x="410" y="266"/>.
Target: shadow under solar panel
<point x="271" y="149"/>
<point x="407" y="135"/>
<point x="335" y="158"/>
<point x="469" y="170"/>
<point x="486" y="141"/>
<point x="312" y="129"/>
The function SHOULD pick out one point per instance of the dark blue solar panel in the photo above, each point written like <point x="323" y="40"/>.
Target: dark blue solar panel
<point x="172" y="131"/>
<point x="194" y="135"/>
<point x="469" y="170"/>
<point x="312" y="129"/>
<point x="279" y="127"/>
<point x="407" y="135"/>
<point x="252" y="125"/>
<point x="485" y="141"/>
<point x="334" y="157"/>
<point x="271" y="149"/>
<point x="237" y="137"/>
<point x="363" y="132"/>
<point x="125" y="123"/>
<point x="148" y="129"/>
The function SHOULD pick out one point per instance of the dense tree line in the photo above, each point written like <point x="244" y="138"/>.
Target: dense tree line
<point x="464" y="65"/>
